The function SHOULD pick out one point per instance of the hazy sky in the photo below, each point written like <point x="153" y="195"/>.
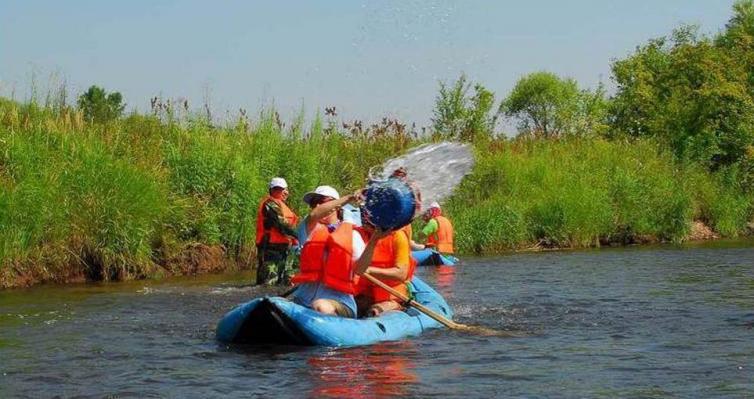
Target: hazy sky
<point x="369" y="59"/>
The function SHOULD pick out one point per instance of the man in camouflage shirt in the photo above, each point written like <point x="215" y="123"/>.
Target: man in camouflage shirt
<point x="276" y="233"/>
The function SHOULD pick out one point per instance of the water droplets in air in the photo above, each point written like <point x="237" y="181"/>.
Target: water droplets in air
<point x="436" y="168"/>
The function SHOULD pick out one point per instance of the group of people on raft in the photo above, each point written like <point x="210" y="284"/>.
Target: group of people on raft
<point x="337" y="244"/>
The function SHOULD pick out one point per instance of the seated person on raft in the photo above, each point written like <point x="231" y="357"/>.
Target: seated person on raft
<point x="324" y="283"/>
<point x="438" y="230"/>
<point x="386" y="257"/>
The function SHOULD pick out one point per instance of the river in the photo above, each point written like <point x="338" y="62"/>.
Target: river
<point x="634" y="322"/>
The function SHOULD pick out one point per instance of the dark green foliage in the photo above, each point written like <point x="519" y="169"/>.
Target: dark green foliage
<point x="694" y="94"/>
<point x="99" y="106"/>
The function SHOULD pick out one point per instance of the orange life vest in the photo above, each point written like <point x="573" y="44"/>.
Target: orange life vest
<point x="328" y="257"/>
<point x="313" y="256"/>
<point x="276" y="237"/>
<point x="442" y="239"/>
<point x="384" y="257"/>
<point x="338" y="269"/>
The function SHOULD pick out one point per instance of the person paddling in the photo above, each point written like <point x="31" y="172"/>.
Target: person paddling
<point x="438" y="230"/>
<point x="387" y="258"/>
<point x="275" y="235"/>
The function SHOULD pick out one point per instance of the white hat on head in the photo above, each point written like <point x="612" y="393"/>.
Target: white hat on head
<point x="321" y="191"/>
<point x="435" y="205"/>
<point x="278" y="182"/>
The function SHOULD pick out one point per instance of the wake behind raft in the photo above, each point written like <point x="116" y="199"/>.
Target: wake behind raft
<point x="276" y="320"/>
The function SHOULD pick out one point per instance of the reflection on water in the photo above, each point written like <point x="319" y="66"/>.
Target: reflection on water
<point x="446" y="277"/>
<point x="382" y="370"/>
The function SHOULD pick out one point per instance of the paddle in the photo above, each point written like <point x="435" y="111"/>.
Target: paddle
<point x="440" y="318"/>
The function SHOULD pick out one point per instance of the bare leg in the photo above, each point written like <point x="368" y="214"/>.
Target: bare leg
<point x="331" y="307"/>
<point x="378" y="308"/>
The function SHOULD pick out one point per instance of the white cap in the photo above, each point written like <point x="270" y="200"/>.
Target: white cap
<point x="321" y="191"/>
<point x="278" y="182"/>
<point x="435" y="205"/>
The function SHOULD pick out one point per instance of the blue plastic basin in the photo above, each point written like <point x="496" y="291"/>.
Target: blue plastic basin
<point x="390" y="203"/>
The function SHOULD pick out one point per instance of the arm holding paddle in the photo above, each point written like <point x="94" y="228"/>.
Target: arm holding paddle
<point x="400" y="271"/>
<point x="363" y="269"/>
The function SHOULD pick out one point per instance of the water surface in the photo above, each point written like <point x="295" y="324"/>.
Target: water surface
<point x="638" y="322"/>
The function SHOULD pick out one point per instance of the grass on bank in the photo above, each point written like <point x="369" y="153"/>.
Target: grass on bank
<point x="123" y="199"/>
<point x="587" y="192"/>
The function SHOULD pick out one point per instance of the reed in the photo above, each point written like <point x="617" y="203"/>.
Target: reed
<point x="588" y="192"/>
<point x="125" y="199"/>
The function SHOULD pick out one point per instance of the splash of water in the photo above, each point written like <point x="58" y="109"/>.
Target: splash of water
<point x="437" y="169"/>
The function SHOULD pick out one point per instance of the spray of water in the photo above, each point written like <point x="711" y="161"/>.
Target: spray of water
<point x="435" y="168"/>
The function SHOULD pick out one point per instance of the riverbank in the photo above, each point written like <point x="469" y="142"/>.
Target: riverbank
<point x="146" y="196"/>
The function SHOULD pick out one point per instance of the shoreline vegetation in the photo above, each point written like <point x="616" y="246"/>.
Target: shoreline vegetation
<point x="87" y="193"/>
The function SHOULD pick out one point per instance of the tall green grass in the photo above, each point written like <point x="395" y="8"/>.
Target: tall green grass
<point x="588" y="192"/>
<point x="120" y="200"/>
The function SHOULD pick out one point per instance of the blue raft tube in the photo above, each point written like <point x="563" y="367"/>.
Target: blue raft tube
<point x="276" y="320"/>
<point x="430" y="257"/>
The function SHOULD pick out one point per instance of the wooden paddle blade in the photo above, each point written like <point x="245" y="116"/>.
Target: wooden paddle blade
<point x="489" y="332"/>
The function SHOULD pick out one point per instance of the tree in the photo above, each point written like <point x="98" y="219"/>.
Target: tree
<point x="545" y="105"/>
<point x="98" y="106"/>
<point x="738" y="37"/>
<point x="690" y="92"/>
<point x="459" y="115"/>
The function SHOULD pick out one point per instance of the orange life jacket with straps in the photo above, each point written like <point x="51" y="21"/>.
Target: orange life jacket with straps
<point x="313" y="256"/>
<point x="442" y="239"/>
<point x="384" y="257"/>
<point x="328" y="257"/>
<point x="275" y="236"/>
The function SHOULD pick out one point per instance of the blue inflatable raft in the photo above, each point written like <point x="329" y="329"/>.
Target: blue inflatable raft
<point x="276" y="320"/>
<point x="430" y="257"/>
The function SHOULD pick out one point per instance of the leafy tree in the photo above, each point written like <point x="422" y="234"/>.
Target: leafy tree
<point x="99" y="106"/>
<point x="461" y="115"/>
<point x="738" y="37"/>
<point x="546" y="105"/>
<point x="691" y="94"/>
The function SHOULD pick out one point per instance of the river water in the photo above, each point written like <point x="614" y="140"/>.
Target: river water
<point x="637" y="322"/>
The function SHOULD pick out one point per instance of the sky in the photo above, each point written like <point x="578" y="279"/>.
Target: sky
<point x="369" y="59"/>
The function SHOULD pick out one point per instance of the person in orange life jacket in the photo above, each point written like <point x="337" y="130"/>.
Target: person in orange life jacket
<point x="275" y="236"/>
<point x="438" y="230"/>
<point x="325" y="204"/>
<point x="316" y="288"/>
<point x="386" y="257"/>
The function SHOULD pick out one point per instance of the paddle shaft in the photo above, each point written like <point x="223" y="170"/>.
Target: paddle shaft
<point x="418" y="306"/>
